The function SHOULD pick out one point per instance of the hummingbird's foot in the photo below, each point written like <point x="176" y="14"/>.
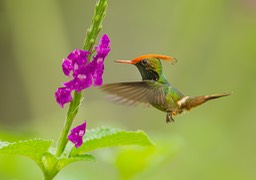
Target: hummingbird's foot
<point x="169" y="117"/>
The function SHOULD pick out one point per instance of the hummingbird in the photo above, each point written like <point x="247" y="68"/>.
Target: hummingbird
<point x="155" y="89"/>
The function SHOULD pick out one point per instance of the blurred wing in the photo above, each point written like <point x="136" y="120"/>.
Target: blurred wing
<point x="149" y="92"/>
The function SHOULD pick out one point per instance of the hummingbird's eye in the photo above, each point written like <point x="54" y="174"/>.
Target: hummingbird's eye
<point x="144" y="62"/>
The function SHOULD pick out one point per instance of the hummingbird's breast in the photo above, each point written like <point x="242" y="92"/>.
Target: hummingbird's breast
<point x="172" y="97"/>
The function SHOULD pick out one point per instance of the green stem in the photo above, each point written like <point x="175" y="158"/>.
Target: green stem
<point x="90" y="39"/>
<point x="96" y="26"/>
<point x="72" y="112"/>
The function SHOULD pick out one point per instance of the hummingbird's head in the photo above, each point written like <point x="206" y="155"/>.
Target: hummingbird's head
<point x="149" y="65"/>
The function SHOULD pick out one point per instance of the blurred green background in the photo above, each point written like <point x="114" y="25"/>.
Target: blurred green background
<point x="215" y="44"/>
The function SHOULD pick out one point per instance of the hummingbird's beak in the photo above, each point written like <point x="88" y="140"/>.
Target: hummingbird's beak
<point x="124" y="61"/>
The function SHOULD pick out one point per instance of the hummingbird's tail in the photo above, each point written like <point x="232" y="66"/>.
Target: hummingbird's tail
<point x="191" y="102"/>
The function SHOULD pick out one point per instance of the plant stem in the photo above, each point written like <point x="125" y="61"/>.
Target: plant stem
<point x="96" y="26"/>
<point x="90" y="39"/>
<point x="72" y="112"/>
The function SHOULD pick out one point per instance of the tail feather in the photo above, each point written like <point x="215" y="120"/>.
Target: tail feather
<point x="192" y="102"/>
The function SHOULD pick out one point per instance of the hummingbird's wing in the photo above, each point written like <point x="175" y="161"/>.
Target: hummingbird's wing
<point x="149" y="92"/>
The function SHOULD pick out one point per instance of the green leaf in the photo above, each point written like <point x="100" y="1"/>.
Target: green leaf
<point x="53" y="164"/>
<point x="85" y="157"/>
<point x="33" y="148"/>
<point x="108" y="137"/>
<point x="2" y="144"/>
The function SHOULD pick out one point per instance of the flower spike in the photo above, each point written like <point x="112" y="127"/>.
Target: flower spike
<point x="84" y="74"/>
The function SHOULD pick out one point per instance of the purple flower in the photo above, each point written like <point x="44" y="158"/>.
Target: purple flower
<point x="84" y="74"/>
<point x="67" y="66"/>
<point x="77" y="133"/>
<point x="102" y="51"/>
<point x="104" y="45"/>
<point x="79" y="57"/>
<point x="98" y="75"/>
<point x="74" y="61"/>
<point x="63" y="95"/>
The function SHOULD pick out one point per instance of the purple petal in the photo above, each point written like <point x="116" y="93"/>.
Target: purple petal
<point x="67" y="66"/>
<point x="75" y="140"/>
<point x="89" y="68"/>
<point x="78" y="56"/>
<point x="104" y="41"/>
<point x="97" y="77"/>
<point x="104" y="46"/>
<point x="102" y="51"/>
<point x="63" y="96"/>
<point x="82" y="81"/>
<point x="69" y="84"/>
<point x="77" y="133"/>
<point x="98" y="81"/>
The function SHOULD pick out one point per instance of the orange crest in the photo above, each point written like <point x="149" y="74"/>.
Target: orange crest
<point x="147" y="56"/>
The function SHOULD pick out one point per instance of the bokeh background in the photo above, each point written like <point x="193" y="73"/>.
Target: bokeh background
<point x="215" y="44"/>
